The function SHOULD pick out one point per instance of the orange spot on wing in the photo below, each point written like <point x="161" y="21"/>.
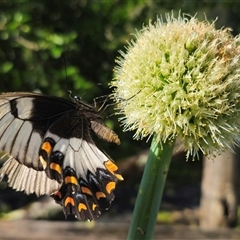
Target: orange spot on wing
<point x="86" y="190"/>
<point x="71" y="179"/>
<point x="46" y="146"/>
<point x="69" y="200"/>
<point x="56" y="167"/>
<point x="111" y="167"/>
<point x="94" y="207"/>
<point x="119" y="176"/>
<point x="100" y="195"/>
<point x="110" y="186"/>
<point x="81" y="207"/>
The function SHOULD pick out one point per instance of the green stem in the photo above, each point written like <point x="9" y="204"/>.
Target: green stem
<point x="150" y="191"/>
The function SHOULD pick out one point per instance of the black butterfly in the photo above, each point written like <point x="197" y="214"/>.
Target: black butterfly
<point x="49" y="141"/>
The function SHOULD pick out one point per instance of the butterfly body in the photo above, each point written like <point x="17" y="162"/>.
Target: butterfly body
<point x="49" y="141"/>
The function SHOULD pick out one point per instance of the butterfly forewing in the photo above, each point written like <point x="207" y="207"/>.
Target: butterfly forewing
<point x="49" y="141"/>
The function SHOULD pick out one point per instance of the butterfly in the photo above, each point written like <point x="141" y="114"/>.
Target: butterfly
<point x="50" y="148"/>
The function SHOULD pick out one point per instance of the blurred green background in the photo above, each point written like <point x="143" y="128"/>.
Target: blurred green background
<point x="34" y="36"/>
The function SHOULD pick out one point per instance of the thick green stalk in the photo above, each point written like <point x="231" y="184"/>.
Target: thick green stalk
<point x="150" y="191"/>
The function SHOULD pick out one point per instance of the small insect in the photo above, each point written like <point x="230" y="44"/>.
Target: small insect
<point x="51" y="151"/>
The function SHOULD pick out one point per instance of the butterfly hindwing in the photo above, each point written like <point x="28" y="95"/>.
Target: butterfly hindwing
<point x="23" y="178"/>
<point x="88" y="183"/>
<point x="49" y="141"/>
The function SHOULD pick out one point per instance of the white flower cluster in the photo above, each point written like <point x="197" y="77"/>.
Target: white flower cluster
<point x="181" y="78"/>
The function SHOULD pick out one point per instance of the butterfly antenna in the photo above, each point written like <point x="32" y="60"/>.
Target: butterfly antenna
<point x="99" y="84"/>
<point x="66" y="78"/>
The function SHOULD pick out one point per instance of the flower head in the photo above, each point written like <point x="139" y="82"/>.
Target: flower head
<point x="181" y="78"/>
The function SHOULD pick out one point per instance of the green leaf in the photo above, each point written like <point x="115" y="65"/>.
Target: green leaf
<point x="6" y="67"/>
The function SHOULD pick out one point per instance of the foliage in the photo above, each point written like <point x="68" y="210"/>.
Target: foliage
<point x="35" y="35"/>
